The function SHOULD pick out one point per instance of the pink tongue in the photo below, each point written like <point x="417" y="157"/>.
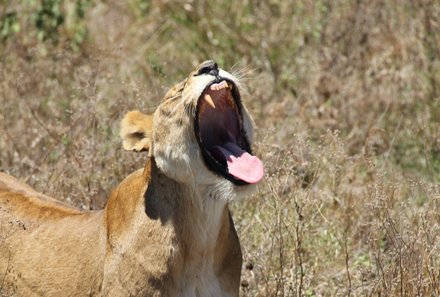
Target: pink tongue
<point x="241" y="164"/>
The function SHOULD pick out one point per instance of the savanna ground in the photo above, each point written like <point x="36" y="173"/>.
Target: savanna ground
<point x="345" y="95"/>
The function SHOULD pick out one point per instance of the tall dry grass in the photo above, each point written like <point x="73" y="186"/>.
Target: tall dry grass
<point x="345" y="95"/>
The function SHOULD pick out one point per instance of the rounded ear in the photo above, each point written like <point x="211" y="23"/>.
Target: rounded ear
<point x="136" y="129"/>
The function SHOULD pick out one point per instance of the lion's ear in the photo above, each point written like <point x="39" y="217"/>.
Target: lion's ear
<point x="136" y="129"/>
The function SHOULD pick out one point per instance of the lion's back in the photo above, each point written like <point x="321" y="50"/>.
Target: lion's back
<point x="44" y="241"/>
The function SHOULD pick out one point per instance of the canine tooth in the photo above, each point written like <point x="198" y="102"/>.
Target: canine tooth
<point x="209" y="100"/>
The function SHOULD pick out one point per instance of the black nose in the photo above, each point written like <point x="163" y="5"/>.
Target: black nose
<point x="208" y="67"/>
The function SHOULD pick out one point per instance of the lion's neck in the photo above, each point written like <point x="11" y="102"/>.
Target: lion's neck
<point x="208" y="217"/>
<point x="197" y="219"/>
<point x="197" y="211"/>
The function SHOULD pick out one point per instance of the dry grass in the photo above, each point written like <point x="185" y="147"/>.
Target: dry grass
<point x="346" y="95"/>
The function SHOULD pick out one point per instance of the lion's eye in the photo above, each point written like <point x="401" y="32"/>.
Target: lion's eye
<point x="209" y="68"/>
<point x="204" y="70"/>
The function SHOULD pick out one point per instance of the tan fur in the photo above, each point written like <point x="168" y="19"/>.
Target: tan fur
<point x="166" y="229"/>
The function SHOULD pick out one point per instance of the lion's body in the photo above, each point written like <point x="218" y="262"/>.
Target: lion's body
<point x="143" y="243"/>
<point x="165" y="231"/>
<point x="42" y="245"/>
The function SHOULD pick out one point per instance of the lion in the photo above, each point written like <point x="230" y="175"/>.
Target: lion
<point x="166" y="230"/>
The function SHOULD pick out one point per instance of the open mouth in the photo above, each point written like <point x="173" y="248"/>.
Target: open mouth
<point x="221" y="137"/>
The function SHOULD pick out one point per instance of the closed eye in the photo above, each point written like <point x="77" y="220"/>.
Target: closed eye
<point x="203" y="70"/>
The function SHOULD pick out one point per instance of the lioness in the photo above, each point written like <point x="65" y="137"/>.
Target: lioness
<point x="166" y="229"/>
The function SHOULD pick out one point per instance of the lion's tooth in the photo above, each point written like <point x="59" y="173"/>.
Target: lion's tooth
<point x="209" y="100"/>
<point x="219" y="86"/>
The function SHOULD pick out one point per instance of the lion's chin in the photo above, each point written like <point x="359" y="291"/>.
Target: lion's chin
<point x="230" y="192"/>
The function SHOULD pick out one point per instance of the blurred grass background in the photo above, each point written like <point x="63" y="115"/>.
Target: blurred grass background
<point x="345" y="95"/>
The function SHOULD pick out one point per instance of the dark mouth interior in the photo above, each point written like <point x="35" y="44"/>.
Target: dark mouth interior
<point x="218" y="127"/>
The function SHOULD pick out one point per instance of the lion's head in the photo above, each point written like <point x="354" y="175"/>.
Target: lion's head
<point x="200" y="134"/>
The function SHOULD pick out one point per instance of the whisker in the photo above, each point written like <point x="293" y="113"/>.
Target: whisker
<point x="243" y="72"/>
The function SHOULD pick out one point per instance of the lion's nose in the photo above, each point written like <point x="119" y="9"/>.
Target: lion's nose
<point x="208" y="67"/>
